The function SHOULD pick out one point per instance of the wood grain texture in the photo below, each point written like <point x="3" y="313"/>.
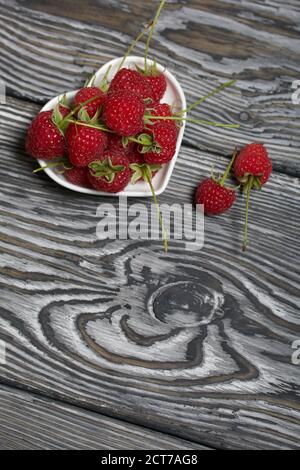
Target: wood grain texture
<point x="30" y="422"/>
<point x="194" y="344"/>
<point x="203" y="43"/>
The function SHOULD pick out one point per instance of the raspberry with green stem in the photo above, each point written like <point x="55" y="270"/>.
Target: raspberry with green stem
<point x="110" y="173"/>
<point x="252" y="168"/>
<point x="214" y="195"/>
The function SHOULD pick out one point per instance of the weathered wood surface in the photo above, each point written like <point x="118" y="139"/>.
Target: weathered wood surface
<point x="31" y="422"/>
<point x="195" y="344"/>
<point x="50" y="47"/>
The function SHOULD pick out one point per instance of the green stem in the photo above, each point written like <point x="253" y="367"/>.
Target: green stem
<point x="50" y="165"/>
<point x="164" y="232"/>
<point x="249" y="188"/>
<point x="106" y="73"/>
<point x="130" y="49"/>
<point x="154" y="23"/>
<point x="104" y="85"/>
<point x="79" y="123"/>
<point x="195" y="121"/>
<point x="209" y="95"/>
<point x="64" y="164"/>
<point x="228" y="169"/>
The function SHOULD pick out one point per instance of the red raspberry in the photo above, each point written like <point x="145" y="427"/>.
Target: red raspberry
<point x="64" y="110"/>
<point x="253" y="160"/>
<point x="84" y="144"/>
<point x="88" y="93"/>
<point x="161" y="109"/>
<point x="123" y="112"/>
<point x="115" y="144"/>
<point x="164" y="137"/>
<point x="252" y="168"/>
<point x="111" y="173"/>
<point x="44" y="138"/>
<point x="78" y="176"/>
<point x="130" y="150"/>
<point x="158" y="85"/>
<point x="134" y="156"/>
<point x="215" y="197"/>
<point x="132" y="81"/>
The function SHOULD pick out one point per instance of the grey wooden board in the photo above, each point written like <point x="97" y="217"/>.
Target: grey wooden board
<point x="203" y="43"/>
<point x="30" y="422"/>
<point x="117" y="327"/>
<point x="120" y="328"/>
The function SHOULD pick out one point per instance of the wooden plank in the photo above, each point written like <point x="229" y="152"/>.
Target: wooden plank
<point x="46" y="50"/>
<point x="31" y="422"/>
<point x="194" y="344"/>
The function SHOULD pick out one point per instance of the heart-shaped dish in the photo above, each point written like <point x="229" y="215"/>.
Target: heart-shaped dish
<point x="174" y="96"/>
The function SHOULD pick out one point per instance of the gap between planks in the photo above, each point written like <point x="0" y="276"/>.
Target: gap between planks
<point x="147" y="438"/>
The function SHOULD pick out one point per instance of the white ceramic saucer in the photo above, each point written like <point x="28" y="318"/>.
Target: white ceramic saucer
<point x="174" y="96"/>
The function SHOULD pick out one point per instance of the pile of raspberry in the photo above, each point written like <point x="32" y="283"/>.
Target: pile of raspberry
<point x="111" y="135"/>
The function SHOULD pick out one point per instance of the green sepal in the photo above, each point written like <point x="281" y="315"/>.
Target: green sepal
<point x="105" y="169"/>
<point x="148" y="119"/>
<point x="147" y="144"/>
<point x="84" y="116"/>
<point x="57" y="117"/>
<point x="142" y="170"/>
<point x="104" y="85"/>
<point x="125" y="141"/>
<point x="256" y="183"/>
<point x="148" y="101"/>
<point x="145" y="149"/>
<point x="90" y="81"/>
<point x="58" y="120"/>
<point x="145" y="140"/>
<point x="140" y="69"/>
<point x="151" y="71"/>
<point x="64" y="101"/>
